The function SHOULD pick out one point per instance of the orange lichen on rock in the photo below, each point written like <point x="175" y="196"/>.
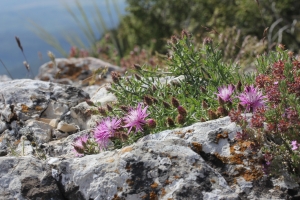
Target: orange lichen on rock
<point x="116" y="197"/>
<point x="153" y="196"/>
<point x="223" y="135"/>
<point x="252" y="174"/>
<point x="129" y="182"/>
<point x="163" y="192"/>
<point x="154" y="185"/>
<point x="197" y="146"/>
<point x="39" y="108"/>
<point x="24" y="108"/>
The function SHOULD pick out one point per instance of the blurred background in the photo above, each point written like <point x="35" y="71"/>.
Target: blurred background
<point x="124" y="32"/>
<point x="27" y="19"/>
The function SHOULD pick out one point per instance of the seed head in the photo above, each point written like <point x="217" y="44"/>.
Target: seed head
<point x="19" y="43"/>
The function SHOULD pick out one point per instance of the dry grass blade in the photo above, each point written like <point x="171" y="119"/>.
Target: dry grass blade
<point x="6" y="69"/>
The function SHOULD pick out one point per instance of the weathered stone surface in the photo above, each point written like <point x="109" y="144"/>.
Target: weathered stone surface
<point x="195" y="162"/>
<point x="75" y="71"/>
<point x="103" y="97"/>
<point x="67" y="128"/>
<point x="41" y="131"/>
<point x="26" y="178"/>
<point x="30" y="98"/>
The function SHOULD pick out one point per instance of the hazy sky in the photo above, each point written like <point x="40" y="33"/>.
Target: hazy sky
<point x="17" y="17"/>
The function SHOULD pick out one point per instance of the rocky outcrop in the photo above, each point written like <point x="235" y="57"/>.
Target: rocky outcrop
<point x="40" y="120"/>
<point x="195" y="162"/>
<point x="76" y="71"/>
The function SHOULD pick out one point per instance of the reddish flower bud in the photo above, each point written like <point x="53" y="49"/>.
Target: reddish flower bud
<point x="181" y="110"/>
<point x="138" y="77"/>
<point x="102" y="111"/>
<point x="204" y="104"/>
<point x="151" y="123"/>
<point x="180" y="119"/>
<point x="137" y="67"/>
<point x="203" y="90"/>
<point x="109" y="108"/>
<point x="239" y="86"/>
<point x="115" y="77"/>
<point x="212" y="115"/>
<point x="170" y="121"/>
<point x="175" y="102"/>
<point x="166" y="105"/>
<point x="148" y="100"/>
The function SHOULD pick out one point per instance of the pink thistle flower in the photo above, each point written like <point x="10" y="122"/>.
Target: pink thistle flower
<point x="295" y="145"/>
<point x="225" y="92"/>
<point x="106" y="129"/>
<point x="79" y="145"/>
<point x="136" y="118"/>
<point x="252" y="98"/>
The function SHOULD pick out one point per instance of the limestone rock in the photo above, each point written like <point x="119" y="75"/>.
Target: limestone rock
<point x="67" y="128"/>
<point x="30" y="98"/>
<point x="75" y="71"/>
<point x="40" y="130"/>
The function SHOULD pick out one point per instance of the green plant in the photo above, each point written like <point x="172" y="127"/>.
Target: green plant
<point x="182" y="93"/>
<point x="274" y="130"/>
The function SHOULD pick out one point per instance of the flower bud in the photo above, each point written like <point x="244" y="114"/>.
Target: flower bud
<point x="239" y="86"/>
<point x="115" y="77"/>
<point x="124" y="108"/>
<point x="212" y="115"/>
<point x="166" y="105"/>
<point x="138" y="77"/>
<point x="207" y="41"/>
<point x="174" y="39"/>
<point x="137" y="67"/>
<point x="182" y="111"/>
<point x="240" y="107"/>
<point x="89" y="102"/>
<point x="170" y="121"/>
<point x="204" y="104"/>
<point x="102" y="111"/>
<point x="109" y="108"/>
<point x="151" y="123"/>
<point x="203" y="90"/>
<point x="221" y="111"/>
<point x="180" y="119"/>
<point x="148" y="100"/>
<point x="154" y="88"/>
<point x="221" y="101"/>
<point x="175" y="102"/>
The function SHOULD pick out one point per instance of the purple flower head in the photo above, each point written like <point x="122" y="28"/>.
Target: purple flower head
<point x="106" y="129"/>
<point x="79" y="145"/>
<point x="225" y="92"/>
<point x="252" y="98"/>
<point x="136" y="118"/>
<point x="295" y="145"/>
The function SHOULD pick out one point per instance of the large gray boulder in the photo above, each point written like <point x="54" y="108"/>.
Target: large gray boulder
<point x="201" y="161"/>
